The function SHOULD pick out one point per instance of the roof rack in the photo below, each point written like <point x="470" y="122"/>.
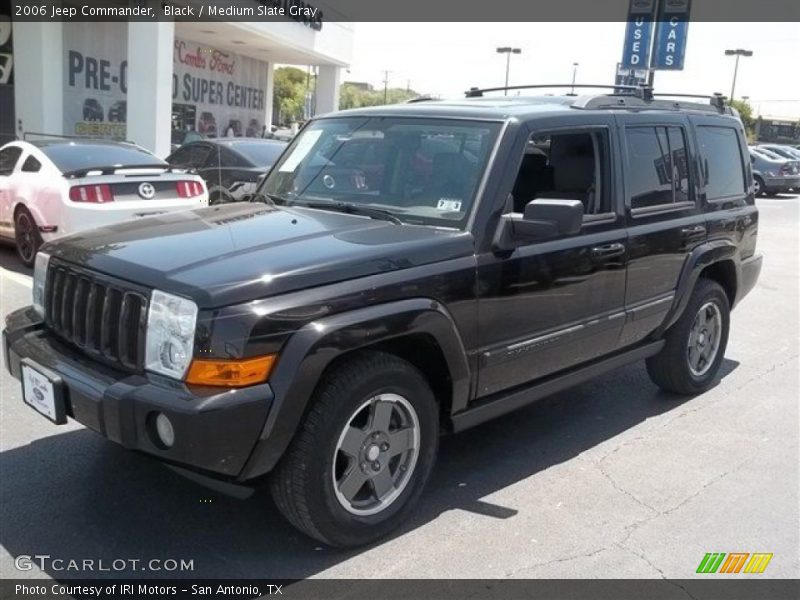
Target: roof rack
<point x="624" y="96"/>
<point x="630" y="90"/>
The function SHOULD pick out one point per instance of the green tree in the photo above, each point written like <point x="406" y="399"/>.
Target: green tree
<point x="352" y="96"/>
<point x="746" y="113"/>
<point x="289" y="96"/>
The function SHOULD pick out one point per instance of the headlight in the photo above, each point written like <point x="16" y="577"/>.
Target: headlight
<point x="170" y="334"/>
<point x="40" y="281"/>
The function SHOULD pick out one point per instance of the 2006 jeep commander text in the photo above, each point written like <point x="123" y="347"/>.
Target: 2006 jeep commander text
<point x="403" y="271"/>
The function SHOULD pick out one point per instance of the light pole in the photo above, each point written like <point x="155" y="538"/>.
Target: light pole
<point x="574" y="75"/>
<point x="737" y="53"/>
<point x="508" y="51"/>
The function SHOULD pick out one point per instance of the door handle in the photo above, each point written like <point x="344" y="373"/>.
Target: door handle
<point x="608" y="251"/>
<point x="693" y="232"/>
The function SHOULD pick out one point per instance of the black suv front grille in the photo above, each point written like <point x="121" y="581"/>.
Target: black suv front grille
<point x="104" y="317"/>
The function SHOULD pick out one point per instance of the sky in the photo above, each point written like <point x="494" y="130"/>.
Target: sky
<point x="444" y="59"/>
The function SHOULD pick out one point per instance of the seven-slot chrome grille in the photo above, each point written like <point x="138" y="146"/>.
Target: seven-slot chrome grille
<point x="104" y="317"/>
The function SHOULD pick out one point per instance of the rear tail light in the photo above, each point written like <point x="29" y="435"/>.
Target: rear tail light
<point x="189" y="189"/>
<point x="98" y="194"/>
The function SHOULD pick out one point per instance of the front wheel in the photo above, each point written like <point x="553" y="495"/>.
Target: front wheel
<point x="27" y="236"/>
<point x="758" y="186"/>
<point x="363" y="454"/>
<point x="695" y="345"/>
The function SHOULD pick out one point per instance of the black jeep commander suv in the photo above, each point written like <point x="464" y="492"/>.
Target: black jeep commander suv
<point x="402" y="271"/>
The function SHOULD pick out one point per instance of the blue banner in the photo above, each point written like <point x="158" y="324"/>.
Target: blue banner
<point x="638" y="34"/>
<point x="669" y="48"/>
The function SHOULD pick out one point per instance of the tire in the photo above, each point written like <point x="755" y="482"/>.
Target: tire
<point x="681" y="369"/>
<point x="304" y="484"/>
<point x="758" y="184"/>
<point x="27" y="236"/>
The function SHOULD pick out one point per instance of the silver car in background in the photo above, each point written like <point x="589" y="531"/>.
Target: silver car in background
<point x="772" y="173"/>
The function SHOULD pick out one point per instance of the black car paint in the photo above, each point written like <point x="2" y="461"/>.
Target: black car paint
<point x="313" y="285"/>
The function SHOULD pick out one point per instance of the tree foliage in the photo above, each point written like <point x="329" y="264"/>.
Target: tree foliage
<point x="352" y="96"/>
<point x="746" y="113"/>
<point x="290" y="86"/>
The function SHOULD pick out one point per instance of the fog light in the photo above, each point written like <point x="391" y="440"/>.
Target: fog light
<point x="166" y="434"/>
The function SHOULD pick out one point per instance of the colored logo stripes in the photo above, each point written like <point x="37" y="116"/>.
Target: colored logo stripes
<point x="734" y="562"/>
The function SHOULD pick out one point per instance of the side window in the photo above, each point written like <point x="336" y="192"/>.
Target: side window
<point x="8" y="159"/>
<point x="723" y="169"/>
<point x="190" y="156"/>
<point x="658" y="168"/>
<point x="568" y="166"/>
<point x="230" y="159"/>
<point x="31" y="165"/>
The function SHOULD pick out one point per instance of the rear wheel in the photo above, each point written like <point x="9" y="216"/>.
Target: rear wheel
<point x="27" y="236"/>
<point x="758" y="185"/>
<point x="695" y="344"/>
<point x="363" y="454"/>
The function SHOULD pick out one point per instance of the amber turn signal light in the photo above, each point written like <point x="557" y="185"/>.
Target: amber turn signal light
<point x="230" y="373"/>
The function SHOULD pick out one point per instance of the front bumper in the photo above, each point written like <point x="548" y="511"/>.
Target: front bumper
<point x="215" y="429"/>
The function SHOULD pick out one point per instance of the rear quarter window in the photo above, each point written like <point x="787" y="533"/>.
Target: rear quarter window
<point x="723" y="167"/>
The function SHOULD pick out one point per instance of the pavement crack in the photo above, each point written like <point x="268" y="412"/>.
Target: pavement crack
<point x="514" y="572"/>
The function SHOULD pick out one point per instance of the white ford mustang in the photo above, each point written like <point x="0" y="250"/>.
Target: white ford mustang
<point x="56" y="187"/>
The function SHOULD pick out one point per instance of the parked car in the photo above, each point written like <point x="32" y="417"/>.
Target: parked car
<point x="231" y="167"/>
<point x="92" y="111"/>
<point x="118" y="113"/>
<point x="329" y="334"/>
<point x="786" y="152"/>
<point x="52" y="188"/>
<point x="773" y="174"/>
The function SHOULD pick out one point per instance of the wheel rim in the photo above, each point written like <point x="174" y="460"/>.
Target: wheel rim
<point x="757" y="187"/>
<point x="376" y="454"/>
<point x="25" y="237"/>
<point x="704" y="339"/>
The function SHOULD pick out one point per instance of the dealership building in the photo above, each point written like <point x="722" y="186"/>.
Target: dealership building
<point x="148" y="82"/>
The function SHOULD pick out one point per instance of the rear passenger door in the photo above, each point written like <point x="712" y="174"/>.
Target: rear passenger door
<point x="665" y="222"/>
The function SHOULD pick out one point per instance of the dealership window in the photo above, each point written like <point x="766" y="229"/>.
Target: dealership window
<point x="568" y="165"/>
<point x="8" y="159"/>
<point x="722" y="162"/>
<point x="658" y="169"/>
<point x="31" y="165"/>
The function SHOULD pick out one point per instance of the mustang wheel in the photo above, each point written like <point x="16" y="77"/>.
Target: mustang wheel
<point x="27" y="236"/>
<point x="695" y="344"/>
<point x="363" y="454"/>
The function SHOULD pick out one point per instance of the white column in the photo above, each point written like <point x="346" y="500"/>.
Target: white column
<point x="269" y="94"/>
<point x="39" y="77"/>
<point x="150" y="47"/>
<point x="328" y="80"/>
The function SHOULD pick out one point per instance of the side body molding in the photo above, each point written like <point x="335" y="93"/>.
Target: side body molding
<point x="311" y="349"/>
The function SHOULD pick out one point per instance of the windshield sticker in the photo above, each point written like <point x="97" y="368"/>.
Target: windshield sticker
<point x="449" y="204"/>
<point x="301" y="150"/>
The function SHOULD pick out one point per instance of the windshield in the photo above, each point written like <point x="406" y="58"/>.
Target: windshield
<point x="261" y="154"/>
<point x="74" y="156"/>
<point x="423" y="171"/>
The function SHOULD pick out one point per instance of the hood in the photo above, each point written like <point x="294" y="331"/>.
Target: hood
<point x="234" y="253"/>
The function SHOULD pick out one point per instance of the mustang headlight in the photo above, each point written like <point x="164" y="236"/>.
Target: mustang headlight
<point x="170" y="334"/>
<point x="40" y="281"/>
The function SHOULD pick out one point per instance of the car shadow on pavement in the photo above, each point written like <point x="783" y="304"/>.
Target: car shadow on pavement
<point x="77" y="496"/>
<point x="10" y="261"/>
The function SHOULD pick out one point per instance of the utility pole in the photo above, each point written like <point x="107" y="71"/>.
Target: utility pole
<point x="386" y="87"/>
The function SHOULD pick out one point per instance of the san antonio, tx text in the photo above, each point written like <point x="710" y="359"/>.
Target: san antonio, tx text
<point x="143" y="590"/>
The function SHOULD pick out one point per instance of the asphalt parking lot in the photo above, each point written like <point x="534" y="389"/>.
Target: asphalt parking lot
<point x="609" y="479"/>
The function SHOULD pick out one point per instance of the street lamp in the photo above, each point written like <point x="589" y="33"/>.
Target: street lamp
<point x="574" y="75"/>
<point x="737" y="53"/>
<point x="508" y="51"/>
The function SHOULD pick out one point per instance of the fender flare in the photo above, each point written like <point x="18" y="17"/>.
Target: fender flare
<point x="310" y="350"/>
<point x="699" y="258"/>
<point x="33" y="210"/>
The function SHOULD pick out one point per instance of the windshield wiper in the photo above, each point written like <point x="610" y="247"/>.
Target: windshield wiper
<point x="352" y="209"/>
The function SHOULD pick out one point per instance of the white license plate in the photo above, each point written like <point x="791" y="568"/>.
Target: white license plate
<point x="39" y="392"/>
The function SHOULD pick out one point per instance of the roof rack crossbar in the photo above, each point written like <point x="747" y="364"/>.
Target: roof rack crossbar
<point x="633" y="90"/>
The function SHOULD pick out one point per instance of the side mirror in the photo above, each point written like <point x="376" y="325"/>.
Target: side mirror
<point x="543" y="219"/>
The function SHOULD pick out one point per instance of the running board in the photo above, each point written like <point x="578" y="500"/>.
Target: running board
<point x="489" y="409"/>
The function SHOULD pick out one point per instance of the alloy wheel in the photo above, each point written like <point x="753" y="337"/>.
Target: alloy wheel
<point x="704" y="339"/>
